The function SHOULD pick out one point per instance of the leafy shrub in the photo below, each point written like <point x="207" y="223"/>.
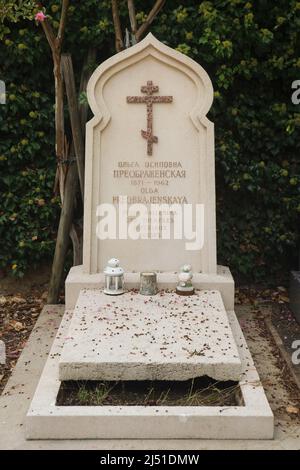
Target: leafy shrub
<point x="251" y="52"/>
<point x="29" y="209"/>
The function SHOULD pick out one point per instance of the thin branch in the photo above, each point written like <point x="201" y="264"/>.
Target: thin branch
<point x="117" y="26"/>
<point x="152" y="15"/>
<point x="62" y="24"/>
<point x="55" y="46"/>
<point x="132" y="17"/>
<point x="49" y="33"/>
<point x="56" y="42"/>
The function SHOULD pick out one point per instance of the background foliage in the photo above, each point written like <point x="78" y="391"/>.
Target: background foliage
<point x="250" y="50"/>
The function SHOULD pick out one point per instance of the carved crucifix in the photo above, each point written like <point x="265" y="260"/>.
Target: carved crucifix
<point x="149" y="99"/>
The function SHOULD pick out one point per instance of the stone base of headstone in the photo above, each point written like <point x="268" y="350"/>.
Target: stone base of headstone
<point x="295" y="294"/>
<point x="222" y="281"/>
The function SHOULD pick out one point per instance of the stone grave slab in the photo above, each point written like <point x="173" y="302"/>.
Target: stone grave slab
<point x="162" y="337"/>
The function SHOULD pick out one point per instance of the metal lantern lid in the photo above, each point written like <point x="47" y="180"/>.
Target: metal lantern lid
<point x="113" y="269"/>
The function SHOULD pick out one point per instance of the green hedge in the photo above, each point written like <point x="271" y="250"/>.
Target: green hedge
<point x="250" y="50"/>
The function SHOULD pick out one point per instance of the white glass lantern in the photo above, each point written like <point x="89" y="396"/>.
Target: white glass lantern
<point x="114" y="278"/>
<point x="185" y="286"/>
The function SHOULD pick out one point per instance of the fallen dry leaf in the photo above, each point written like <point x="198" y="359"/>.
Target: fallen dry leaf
<point x="18" y="300"/>
<point x="17" y="325"/>
<point x="292" y="409"/>
<point x="283" y="299"/>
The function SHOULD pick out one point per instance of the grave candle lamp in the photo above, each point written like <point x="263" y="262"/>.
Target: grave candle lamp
<point x="185" y="286"/>
<point x="148" y="284"/>
<point x="114" y="278"/>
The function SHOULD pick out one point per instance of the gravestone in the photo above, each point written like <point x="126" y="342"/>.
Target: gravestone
<point x="150" y="145"/>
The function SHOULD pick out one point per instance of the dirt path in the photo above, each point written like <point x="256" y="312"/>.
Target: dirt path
<point x="281" y="390"/>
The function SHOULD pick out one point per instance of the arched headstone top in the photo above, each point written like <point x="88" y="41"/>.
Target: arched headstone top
<point x="149" y="46"/>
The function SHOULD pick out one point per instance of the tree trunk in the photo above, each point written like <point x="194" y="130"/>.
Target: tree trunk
<point x="117" y="26"/>
<point x="85" y="76"/>
<point x="59" y="123"/>
<point x="64" y="228"/>
<point x="67" y="227"/>
<point x="68" y="74"/>
<point x="77" y="239"/>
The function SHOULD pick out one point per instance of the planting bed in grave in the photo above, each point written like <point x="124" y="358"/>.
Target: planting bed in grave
<point x="202" y="391"/>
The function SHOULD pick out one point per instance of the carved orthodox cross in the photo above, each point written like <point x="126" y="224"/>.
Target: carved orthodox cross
<point x="149" y="99"/>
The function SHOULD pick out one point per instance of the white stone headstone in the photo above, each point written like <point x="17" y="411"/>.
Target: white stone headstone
<point x="151" y="142"/>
